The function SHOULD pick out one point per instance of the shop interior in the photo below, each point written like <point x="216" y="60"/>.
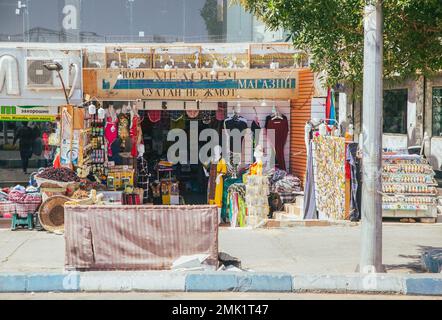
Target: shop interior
<point x="183" y="183"/>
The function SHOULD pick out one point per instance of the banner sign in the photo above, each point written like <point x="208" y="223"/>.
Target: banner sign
<point x="28" y="113"/>
<point x="181" y="84"/>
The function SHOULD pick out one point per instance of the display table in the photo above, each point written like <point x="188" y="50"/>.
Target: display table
<point x="138" y="237"/>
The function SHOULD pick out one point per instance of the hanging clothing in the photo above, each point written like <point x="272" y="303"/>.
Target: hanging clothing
<point x="215" y="190"/>
<point x="232" y="123"/>
<point x="110" y="133"/>
<point x="123" y="128"/>
<point x="226" y="184"/>
<point x="281" y="128"/>
<point x="154" y="115"/>
<point x="180" y="123"/>
<point x="143" y="178"/>
<point x="133" y="133"/>
<point x="310" y="211"/>
<point x="353" y="161"/>
<point x="192" y="114"/>
<point x="256" y="168"/>
<point x="206" y="117"/>
<point x="221" y="112"/>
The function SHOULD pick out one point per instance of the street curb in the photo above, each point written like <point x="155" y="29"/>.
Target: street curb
<point x="167" y="281"/>
<point x="20" y="282"/>
<point x="239" y="282"/>
<point x="370" y="283"/>
<point x="121" y="281"/>
<point x="421" y="285"/>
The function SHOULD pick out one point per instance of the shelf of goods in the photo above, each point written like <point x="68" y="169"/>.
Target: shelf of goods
<point x="408" y="187"/>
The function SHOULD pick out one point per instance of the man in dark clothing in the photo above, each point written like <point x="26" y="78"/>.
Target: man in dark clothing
<point x="26" y="137"/>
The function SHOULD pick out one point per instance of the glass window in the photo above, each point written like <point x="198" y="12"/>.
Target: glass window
<point x="395" y="111"/>
<point x="437" y="111"/>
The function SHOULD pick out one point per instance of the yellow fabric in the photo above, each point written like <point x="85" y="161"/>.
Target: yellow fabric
<point x="221" y="168"/>
<point x="256" y="169"/>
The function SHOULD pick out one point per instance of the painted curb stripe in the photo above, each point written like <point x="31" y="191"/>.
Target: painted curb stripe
<point x="424" y="286"/>
<point x="216" y="282"/>
<point x="239" y="282"/>
<point x="69" y="282"/>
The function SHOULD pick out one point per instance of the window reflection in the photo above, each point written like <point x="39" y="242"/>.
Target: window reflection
<point x="106" y="21"/>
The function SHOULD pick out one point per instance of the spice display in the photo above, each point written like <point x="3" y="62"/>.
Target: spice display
<point x="59" y="174"/>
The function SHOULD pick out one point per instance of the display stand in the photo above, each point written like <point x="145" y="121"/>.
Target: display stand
<point x="409" y="188"/>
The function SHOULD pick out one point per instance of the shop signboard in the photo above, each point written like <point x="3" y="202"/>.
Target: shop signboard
<point x="200" y="84"/>
<point x="28" y="113"/>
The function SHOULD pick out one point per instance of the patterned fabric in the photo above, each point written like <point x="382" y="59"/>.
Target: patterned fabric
<point x="287" y="197"/>
<point x="329" y="171"/>
<point x="257" y="191"/>
<point x="119" y="236"/>
<point x="7" y="208"/>
<point x="239" y="188"/>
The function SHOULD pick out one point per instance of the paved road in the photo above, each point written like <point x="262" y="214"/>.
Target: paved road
<point x="204" y="296"/>
<point x="333" y="249"/>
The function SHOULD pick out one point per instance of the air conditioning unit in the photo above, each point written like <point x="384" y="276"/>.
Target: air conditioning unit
<point x="38" y="77"/>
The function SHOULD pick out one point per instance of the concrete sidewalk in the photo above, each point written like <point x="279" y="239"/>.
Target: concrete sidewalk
<point x="298" y="250"/>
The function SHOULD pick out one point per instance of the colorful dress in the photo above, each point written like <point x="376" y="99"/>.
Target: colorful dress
<point x="215" y="190"/>
<point x="110" y="133"/>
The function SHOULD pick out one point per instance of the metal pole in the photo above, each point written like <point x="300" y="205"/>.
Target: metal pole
<point x="64" y="88"/>
<point x="371" y="244"/>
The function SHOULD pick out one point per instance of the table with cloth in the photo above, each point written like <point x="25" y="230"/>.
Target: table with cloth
<point x="138" y="237"/>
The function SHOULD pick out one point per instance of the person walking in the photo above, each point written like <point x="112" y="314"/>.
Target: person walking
<point x="26" y="136"/>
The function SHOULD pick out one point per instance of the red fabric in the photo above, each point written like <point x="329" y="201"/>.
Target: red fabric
<point x="110" y="133"/>
<point x="347" y="166"/>
<point x="154" y="115"/>
<point x="328" y="105"/>
<point x="221" y="112"/>
<point x="133" y="133"/>
<point x="57" y="163"/>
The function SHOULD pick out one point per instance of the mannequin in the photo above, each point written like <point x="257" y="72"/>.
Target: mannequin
<point x="217" y="170"/>
<point x="256" y="168"/>
<point x="323" y="129"/>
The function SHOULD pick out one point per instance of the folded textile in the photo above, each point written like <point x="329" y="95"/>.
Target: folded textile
<point x="287" y="184"/>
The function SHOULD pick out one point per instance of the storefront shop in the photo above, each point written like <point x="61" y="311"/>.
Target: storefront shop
<point x="30" y="95"/>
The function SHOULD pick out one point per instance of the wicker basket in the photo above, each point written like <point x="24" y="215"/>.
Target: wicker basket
<point x="51" y="214"/>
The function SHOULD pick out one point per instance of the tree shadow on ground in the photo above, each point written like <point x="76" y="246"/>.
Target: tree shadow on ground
<point x="414" y="265"/>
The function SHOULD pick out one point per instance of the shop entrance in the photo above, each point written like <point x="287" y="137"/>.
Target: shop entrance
<point x="189" y="179"/>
